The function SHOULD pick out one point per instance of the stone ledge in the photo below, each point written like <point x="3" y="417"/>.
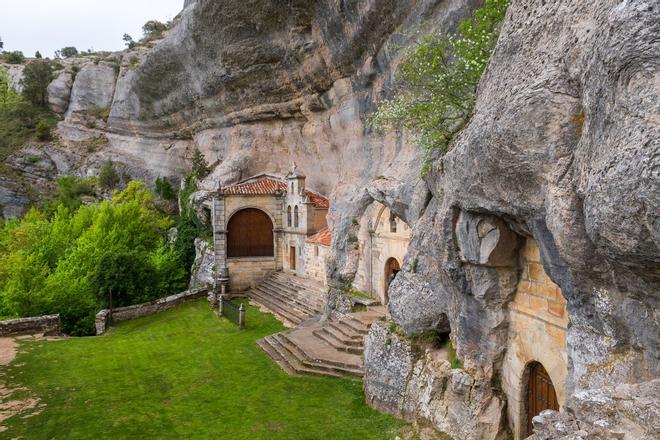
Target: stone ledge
<point x="48" y="325"/>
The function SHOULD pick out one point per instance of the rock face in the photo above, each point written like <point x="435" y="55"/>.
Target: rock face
<point x="203" y="269"/>
<point x="59" y="92"/>
<point x="94" y="88"/>
<point x="401" y="380"/>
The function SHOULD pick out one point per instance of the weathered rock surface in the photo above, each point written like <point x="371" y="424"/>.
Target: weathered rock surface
<point x="15" y="76"/>
<point x="59" y="92"/>
<point x="403" y="380"/>
<point x="203" y="269"/>
<point x="93" y="88"/>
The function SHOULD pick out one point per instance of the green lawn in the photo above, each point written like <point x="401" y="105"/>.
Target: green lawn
<point x="183" y="374"/>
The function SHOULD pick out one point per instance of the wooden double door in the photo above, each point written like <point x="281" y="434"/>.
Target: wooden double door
<point x="541" y="394"/>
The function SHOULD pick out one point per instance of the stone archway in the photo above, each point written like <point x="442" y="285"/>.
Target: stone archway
<point x="540" y="394"/>
<point x="392" y="267"/>
<point x="250" y="234"/>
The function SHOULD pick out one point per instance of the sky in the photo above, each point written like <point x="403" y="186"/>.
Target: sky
<point x="48" y="25"/>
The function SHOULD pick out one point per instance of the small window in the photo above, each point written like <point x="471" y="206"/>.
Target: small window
<point x="291" y="187"/>
<point x="392" y="222"/>
<point x="288" y="216"/>
<point x="295" y="217"/>
<point x="316" y="251"/>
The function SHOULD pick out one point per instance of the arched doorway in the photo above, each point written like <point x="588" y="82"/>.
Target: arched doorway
<point x="541" y="394"/>
<point x="392" y="267"/>
<point x="250" y="234"/>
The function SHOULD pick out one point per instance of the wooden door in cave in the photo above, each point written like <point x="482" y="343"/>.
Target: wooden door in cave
<point x="250" y="234"/>
<point x="541" y="394"/>
<point x="392" y="267"/>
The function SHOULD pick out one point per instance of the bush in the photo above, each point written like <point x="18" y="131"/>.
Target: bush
<point x="69" y="51"/>
<point x="437" y="81"/>
<point x="69" y="193"/>
<point x="128" y="40"/>
<point x="36" y="77"/>
<point x="108" y="177"/>
<point x="43" y="130"/>
<point x="164" y="189"/>
<point x="153" y="29"/>
<point x="67" y="262"/>
<point x="15" y="57"/>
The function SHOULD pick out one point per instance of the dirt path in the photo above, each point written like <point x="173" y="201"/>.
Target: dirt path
<point x="10" y="407"/>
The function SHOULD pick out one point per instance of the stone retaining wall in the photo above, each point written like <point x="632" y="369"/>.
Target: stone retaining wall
<point x="48" y="325"/>
<point x="104" y="318"/>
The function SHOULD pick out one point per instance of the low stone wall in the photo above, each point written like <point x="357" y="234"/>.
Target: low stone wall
<point x="48" y="325"/>
<point x="104" y="318"/>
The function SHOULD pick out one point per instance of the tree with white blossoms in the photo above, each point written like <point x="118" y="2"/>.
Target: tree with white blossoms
<point x="436" y="83"/>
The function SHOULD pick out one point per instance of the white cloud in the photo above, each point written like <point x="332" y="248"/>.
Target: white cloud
<point x="48" y="25"/>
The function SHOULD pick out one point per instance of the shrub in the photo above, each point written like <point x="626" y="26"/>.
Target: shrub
<point x="38" y="55"/>
<point x="69" y="51"/>
<point x="437" y="80"/>
<point x="15" y="57"/>
<point x="43" y="130"/>
<point x="164" y="189"/>
<point x="69" y="193"/>
<point x="200" y="167"/>
<point x="128" y="40"/>
<point x="108" y="177"/>
<point x="68" y="261"/>
<point x="36" y="77"/>
<point x="153" y="29"/>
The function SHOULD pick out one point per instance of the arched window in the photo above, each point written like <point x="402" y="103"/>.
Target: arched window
<point x="392" y="222"/>
<point x="295" y="217"/>
<point x="288" y="216"/>
<point x="250" y="234"/>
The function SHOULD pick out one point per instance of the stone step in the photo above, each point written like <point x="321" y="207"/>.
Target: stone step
<point x="335" y="361"/>
<point x="296" y="364"/>
<point x="287" y="296"/>
<point x="345" y="330"/>
<point x="355" y="325"/>
<point x="276" y="309"/>
<point x="275" y="356"/>
<point x="300" y="282"/>
<point x="286" y="302"/>
<point x="354" y="347"/>
<point x="302" y="295"/>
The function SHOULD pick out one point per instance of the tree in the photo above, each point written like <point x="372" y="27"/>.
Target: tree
<point x="69" y="51"/>
<point x="108" y="177"/>
<point x="437" y="81"/>
<point x="128" y="40"/>
<point x="200" y="167"/>
<point x="15" y="57"/>
<point x="2" y="45"/>
<point x="164" y="188"/>
<point x="43" y="130"/>
<point x="37" y="55"/>
<point x="153" y="29"/>
<point x="36" y="77"/>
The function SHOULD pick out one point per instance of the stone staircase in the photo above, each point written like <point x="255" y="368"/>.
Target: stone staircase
<point x="292" y="299"/>
<point x="330" y="348"/>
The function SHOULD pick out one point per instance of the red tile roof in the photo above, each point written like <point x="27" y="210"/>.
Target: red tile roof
<point x="260" y="186"/>
<point x="323" y="237"/>
<point x="266" y="185"/>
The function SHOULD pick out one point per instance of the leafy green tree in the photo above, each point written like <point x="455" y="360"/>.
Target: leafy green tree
<point x="437" y="80"/>
<point x="123" y="278"/>
<point x="200" y="167"/>
<point x="38" y="55"/>
<point x="68" y="52"/>
<point x="36" y="77"/>
<point x="108" y="177"/>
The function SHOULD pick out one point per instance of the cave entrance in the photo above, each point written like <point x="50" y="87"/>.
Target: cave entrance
<point x="541" y="394"/>
<point x="392" y="267"/>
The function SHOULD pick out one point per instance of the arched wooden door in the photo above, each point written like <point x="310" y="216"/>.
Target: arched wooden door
<point x="250" y="234"/>
<point x="392" y="267"/>
<point x="541" y="394"/>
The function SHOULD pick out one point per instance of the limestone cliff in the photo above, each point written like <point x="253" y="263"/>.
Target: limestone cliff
<point x="562" y="150"/>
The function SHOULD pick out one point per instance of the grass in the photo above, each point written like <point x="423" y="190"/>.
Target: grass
<point x="183" y="374"/>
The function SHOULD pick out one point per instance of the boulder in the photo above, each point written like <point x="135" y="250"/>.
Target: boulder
<point x="93" y="88"/>
<point x="59" y="92"/>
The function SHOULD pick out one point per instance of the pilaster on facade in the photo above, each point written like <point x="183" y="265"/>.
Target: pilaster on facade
<point x="220" y="240"/>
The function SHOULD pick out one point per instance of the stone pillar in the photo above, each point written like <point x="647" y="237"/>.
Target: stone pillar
<point x="278" y="234"/>
<point x="220" y="244"/>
